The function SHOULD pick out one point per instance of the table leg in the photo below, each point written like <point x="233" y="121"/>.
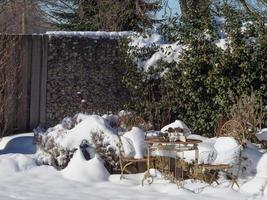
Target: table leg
<point x="196" y="153"/>
<point x="147" y="174"/>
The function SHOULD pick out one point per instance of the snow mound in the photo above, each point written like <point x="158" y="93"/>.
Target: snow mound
<point x="252" y="156"/>
<point x="133" y="143"/>
<point x="227" y="149"/>
<point x="262" y="166"/>
<point x="89" y="125"/>
<point x="262" y="135"/>
<point x="255" y="186"/>
<point x="177" y="124"/>
<point x="223" y="150"/>
<point x="11" y="163"/>
<point x="82" y="170"/>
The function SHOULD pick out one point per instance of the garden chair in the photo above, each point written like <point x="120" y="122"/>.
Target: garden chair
<point x="209" y="172"/>
<point x="126" y="161"/>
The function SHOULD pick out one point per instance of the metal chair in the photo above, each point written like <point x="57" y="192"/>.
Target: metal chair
<point x="125" y="161"/>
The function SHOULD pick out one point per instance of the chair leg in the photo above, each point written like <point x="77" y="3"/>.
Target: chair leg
<point x="233" y="179"/>
<point x="124" y="167"/>
<point x="147" y="176"/>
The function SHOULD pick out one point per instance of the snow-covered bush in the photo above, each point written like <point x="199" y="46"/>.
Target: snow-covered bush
<point x="58" y="144"/>
<point x="107" y="153"/>
<point x="49" y="151"/>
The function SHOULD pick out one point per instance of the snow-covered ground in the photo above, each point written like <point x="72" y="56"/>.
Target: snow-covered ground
<point x="22" y="178"/>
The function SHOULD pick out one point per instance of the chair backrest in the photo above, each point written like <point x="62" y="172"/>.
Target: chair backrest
<point x="233" y="128"/>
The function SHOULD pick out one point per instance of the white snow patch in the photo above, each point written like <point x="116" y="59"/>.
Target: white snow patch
<point x="221" y="43"/>
<point x="133" y="143"/>
<point x="168" y="53"/>
<point x="228" y="150"/>
<point x="12" y="163"/>
<point x="81" y="170"/>
<point x="84" y="130"/>
<point x="141" y="41"/>
<point x="255" y="186"/>
<point x="177" y="124"/>
<point x="262" y="166"/>
<point x="92" y="34"/>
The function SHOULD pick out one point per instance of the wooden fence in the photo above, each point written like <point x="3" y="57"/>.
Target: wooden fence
<point x="25" y="108"/>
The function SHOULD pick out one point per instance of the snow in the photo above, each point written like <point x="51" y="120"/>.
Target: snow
<point x="177" y="124"/>
<point x="227" y="150"/>
<point x="21" y="178"/>
<point x="168" y="52"/>
<point x="255" y="186"/>
<point x="84" y="130"/>
<point x="14" y="144"/>
<point x="262" y="135"/>
<point x="91" y="34"/>
<point x="14" y="163"/>
<point x="133" y="143"/>
<point x="141" y="41"/>
<point x="262" y="167"/>
<point x="207" y="153"/>
<point x="221" y="43"/>
<point x="81" y="170"/>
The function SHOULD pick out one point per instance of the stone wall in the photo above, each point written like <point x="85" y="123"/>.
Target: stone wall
<point x="92" y="66"/>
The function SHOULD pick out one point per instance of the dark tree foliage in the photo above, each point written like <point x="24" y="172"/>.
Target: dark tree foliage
<point x="106" y="15"/>
<point x="204" y="84"/>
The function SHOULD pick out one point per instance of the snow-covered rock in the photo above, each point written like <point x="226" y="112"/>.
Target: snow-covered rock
<point x="91" y="171"/>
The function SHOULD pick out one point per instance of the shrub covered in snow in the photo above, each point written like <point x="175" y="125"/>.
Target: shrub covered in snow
<point x="49" y="151"/>
<point x="57" y="144"/>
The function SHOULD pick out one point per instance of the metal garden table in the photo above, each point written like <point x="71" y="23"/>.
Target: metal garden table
<point x="174" y="147"/>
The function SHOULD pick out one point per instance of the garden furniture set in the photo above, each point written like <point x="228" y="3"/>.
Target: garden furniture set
<point x="162" y="146"/>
